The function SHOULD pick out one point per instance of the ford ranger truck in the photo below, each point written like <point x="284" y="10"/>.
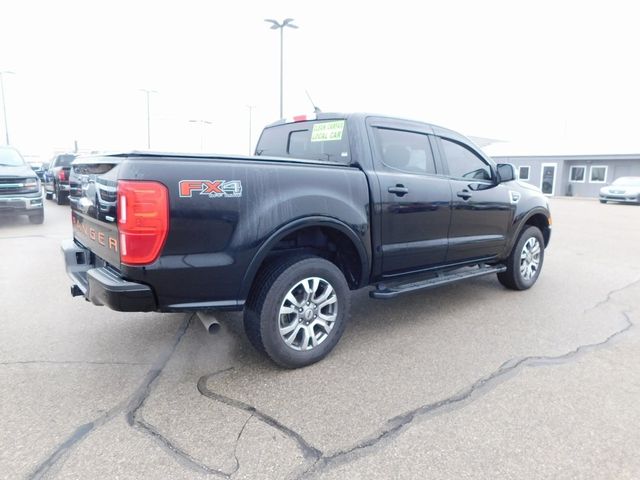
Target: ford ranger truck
<point x="329" y="203"/>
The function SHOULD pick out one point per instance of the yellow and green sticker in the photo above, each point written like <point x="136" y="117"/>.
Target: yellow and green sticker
<point x="327" y="131"/>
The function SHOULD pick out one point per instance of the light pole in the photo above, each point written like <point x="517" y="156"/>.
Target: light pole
<point x="250" y="107"/>
<point x="148" y="94"/>
<point x="4" y="105"/>
<point x="202" y="127"/>
<point x="275" y="26"/>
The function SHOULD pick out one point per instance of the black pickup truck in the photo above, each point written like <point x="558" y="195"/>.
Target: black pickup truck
<point x="329" y="203"/>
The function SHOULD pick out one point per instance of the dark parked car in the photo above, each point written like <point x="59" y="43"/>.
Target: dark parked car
<point x="329" y="204"/>
<point x="20" y="189"/>
<point x="56" y="177"/>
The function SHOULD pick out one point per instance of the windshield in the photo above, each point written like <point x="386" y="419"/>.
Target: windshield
<point x="628" y="181"/>
<point x="10" y="157"/>
<point x="324" y="140"/>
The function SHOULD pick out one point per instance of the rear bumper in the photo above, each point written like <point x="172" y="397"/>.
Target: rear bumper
<point x="104" y="285"/>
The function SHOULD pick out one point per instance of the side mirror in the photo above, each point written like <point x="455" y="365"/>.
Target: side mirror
<point x="506" y="172"/>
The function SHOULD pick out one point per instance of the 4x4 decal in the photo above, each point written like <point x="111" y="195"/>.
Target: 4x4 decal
<point x="211" y="188"/>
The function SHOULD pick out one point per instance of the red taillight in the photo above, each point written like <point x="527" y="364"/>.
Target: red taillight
<point x="62" y="175"/>
<point x="143" y="220"/>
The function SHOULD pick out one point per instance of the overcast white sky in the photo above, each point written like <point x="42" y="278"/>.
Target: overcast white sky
<point x="547" y="76"/>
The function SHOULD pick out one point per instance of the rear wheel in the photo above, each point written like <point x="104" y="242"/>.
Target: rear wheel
<point x="298" y="310"/>
<point x="525" y="261"/>
<point x="60" y="197"/>
<point x="48" y="195"/>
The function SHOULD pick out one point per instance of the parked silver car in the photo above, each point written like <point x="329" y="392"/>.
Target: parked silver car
<point x="623" y="189"/>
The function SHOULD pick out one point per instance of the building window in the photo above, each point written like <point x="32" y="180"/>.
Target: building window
<point x="598" y="174"/>
<point x="523" y="173"/>
<point x="577" y="174"/>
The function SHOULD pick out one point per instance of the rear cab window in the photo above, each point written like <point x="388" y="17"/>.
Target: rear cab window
<point x="65" y="160"/>
<point x="323" y="140"/>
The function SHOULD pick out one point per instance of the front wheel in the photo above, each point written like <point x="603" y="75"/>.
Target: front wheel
<point x="298" y="310"/>
<point x="603" y="201"/>
<point x="525" y="261"/>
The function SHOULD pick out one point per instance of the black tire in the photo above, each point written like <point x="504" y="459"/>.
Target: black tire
<point x="603" y="201"/>
<point x="262" y="314"/>
<point x="48" y="195"/>
<point x="38" y="218"/>
<point x="60" y="197"/>
<point x="512" y="278"/>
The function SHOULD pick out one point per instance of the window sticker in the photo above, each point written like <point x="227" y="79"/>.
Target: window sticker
<point x="327" y="131"/>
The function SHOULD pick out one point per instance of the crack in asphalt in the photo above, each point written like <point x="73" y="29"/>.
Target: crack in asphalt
<point x="139" y="398"/>
<point x="611" y="293"/>
<point x="178" y="453"/>
<point x="319" y="461"/>
<point x="235" y="448"/>
<point x="398" y="424"/>
<point x="460" y="399"/>
<point x="128" y="406"/>
<point x="142" y="393"/>
<point x="77" y="436"/>
<point x="308" y="450"/>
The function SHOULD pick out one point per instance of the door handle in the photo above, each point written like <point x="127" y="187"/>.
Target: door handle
<point x="464" y="194"/>
<point x="400" y="190"/>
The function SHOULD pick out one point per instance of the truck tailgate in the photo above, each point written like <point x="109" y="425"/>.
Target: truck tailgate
<point x="93" y="199"/>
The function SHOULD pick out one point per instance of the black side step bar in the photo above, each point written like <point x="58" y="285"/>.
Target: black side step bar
<point x="390" y="290"/>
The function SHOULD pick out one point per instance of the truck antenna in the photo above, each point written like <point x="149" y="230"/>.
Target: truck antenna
<point x="315" y="109"/>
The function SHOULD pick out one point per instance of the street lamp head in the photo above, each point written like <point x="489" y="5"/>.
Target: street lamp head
<point x="275" y="25"/>
<point x="287" y="23"/>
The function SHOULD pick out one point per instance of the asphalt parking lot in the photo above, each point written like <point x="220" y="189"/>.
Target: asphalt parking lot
<point x="467" y="381"/>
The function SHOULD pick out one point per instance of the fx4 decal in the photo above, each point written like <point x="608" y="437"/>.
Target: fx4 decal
<point x="211" y="188"/>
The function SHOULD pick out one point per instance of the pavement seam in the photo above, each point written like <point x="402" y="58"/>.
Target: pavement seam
<point x="48" y="237"/>
<point x="71" y="362"/>
<point x="128" y="406"/>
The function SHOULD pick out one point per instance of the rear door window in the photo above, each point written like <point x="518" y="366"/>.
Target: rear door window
<point x="404" y="150"/>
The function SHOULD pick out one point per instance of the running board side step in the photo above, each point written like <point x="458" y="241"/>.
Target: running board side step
<point x="390" y="290"/>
